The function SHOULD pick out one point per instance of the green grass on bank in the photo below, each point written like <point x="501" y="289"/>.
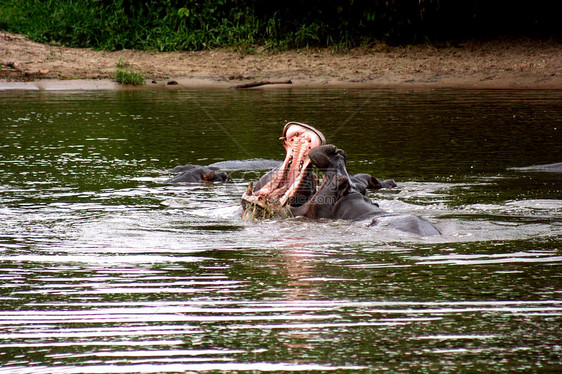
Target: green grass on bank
<point x="125" y="74"/>
<point x="169" y="25"/>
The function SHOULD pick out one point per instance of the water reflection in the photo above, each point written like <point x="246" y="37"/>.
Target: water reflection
<point x="105" y="269"/>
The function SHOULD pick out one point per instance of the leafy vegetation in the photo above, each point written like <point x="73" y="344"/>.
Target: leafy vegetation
<point x="166" y="25"/>
<point x="125" y="74"/>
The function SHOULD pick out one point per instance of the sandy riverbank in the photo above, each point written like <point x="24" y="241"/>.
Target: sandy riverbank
<point x="511" y="63"/>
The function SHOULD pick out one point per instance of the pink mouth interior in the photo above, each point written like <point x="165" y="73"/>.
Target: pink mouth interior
<point x="298" y="141"/>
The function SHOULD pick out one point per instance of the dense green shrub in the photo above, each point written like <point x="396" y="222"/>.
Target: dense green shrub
<point x="105" y="24"/>
<point x="202" y="24"/>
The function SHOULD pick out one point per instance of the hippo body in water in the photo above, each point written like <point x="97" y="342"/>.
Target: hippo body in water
<point x="292" y="189"/>
<point x="548" y="168"/>
<point x="196" y="173"/>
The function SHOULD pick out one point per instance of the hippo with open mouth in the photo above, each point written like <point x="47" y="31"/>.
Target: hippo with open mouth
<point x="291" y="190"/>
<point x="292" y="183"/>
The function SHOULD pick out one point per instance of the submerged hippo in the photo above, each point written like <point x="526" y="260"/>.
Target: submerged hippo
<point x="338" y="197"/>
<point x="292" y="189"/>
<point x="549" y="168"/>
<point x="197" y="173"/>
<point x="217" y="172"/>
<point x="363" y="182"/>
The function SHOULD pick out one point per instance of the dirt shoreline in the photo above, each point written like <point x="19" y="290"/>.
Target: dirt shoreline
<point x="504" y="63"/>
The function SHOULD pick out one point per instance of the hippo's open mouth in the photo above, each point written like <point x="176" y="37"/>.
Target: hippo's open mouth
<point x="291" y="183"/>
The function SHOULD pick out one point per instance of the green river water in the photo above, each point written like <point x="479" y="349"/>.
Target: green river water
<point x="106" y="269"/>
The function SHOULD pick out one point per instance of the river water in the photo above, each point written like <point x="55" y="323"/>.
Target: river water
<point x="106" y="269"/>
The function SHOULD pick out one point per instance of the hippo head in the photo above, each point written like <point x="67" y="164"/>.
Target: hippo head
<point x="293" y="183"/>
<point x="336" y="182"/>
<point x="330" y="160"/>
<point x="214" y="175"/>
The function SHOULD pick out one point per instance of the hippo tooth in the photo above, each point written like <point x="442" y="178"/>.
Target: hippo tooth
<point x="285" y="197"/>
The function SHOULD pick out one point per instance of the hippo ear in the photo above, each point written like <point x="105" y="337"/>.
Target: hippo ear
<point x="344" y="187"/>
<point x="374" y="183"/>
